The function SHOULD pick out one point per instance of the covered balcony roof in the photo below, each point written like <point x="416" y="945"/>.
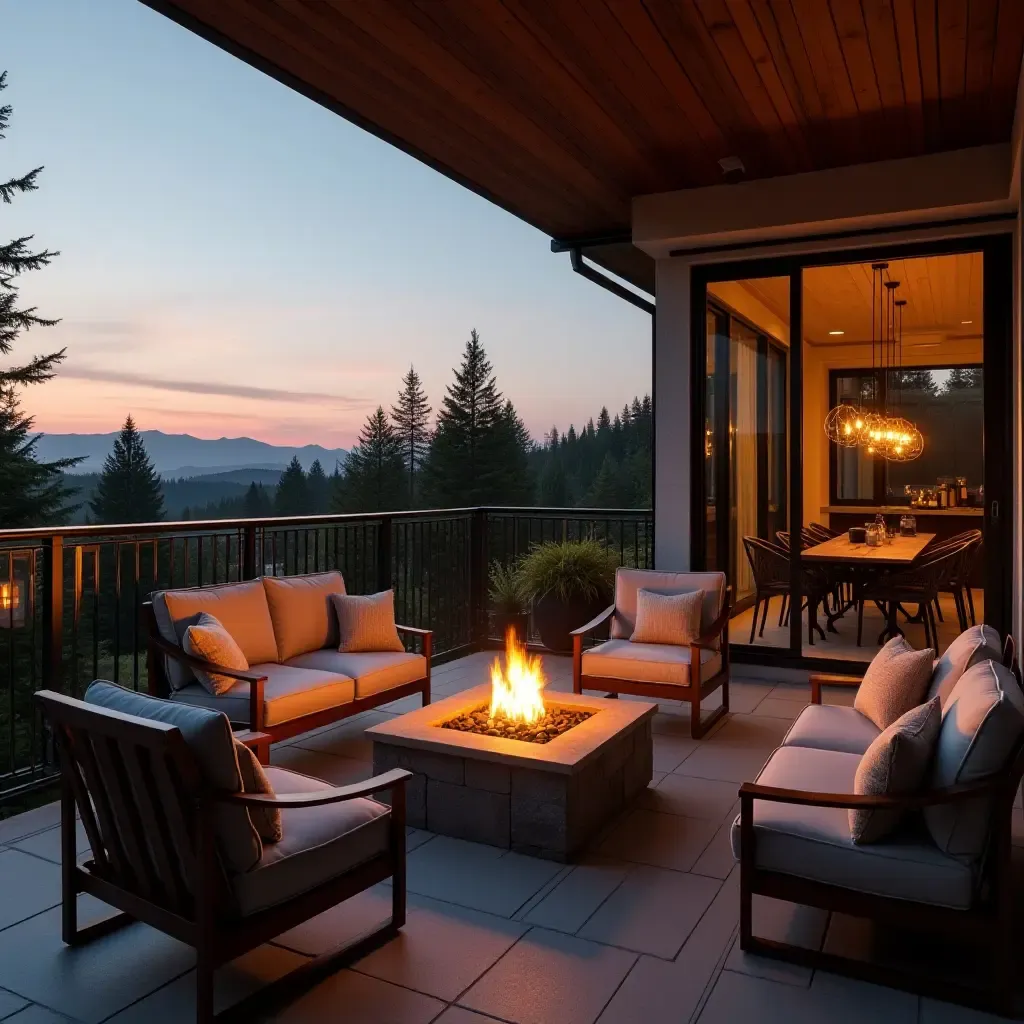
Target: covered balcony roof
<point x="562" y="112"/>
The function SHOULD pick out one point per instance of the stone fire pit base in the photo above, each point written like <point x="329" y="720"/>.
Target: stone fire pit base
<point x="545" y="800"/>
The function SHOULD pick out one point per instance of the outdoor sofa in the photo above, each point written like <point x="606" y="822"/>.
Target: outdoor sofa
<point x="297" y="679"/>
<point x="945" y="871"/>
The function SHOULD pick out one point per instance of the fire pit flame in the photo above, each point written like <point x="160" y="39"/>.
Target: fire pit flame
<point x="517" y="692"/>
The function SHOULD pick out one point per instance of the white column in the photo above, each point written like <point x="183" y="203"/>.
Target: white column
<point x="672" y="344"/>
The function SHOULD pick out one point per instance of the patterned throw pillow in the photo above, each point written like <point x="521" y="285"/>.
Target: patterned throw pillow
<point x="206" y="638"/>
<point x="266" y="820"/>
<point x="667" y="618"/>
<point x="894" y="765"/>
<point x="366" y="622"/>
<point x="896" y="681"/>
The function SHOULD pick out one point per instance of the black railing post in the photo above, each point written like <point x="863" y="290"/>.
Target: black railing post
<point x="478" y="576"/>
<point x="53" y="612"/>
<point x="249" y="551"/>
<point x="384" y="578"/>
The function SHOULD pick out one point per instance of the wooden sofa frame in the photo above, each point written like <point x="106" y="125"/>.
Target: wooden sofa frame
<point x="159" y="686"/>
<point x="715" y="638"/>
<point x="148" y="818"/>
<point x="988" y="925"/>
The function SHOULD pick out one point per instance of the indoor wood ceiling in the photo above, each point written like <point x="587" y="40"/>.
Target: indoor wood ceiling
<point x="941" y="292"/>
<point x="562" y="111"/>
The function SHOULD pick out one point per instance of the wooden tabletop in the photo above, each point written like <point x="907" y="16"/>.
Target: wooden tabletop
<point x="902" y="550"/>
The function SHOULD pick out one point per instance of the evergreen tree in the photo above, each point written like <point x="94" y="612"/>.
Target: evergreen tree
<point x="257" y="503"/>
<point x="374" y="478"/>
<point x="961" y="378"/>
<point x="128" y="490"/>
<point x="319" y="489"/>
<point x="31" y="492"/>
<point x="412" y="426"/>
<point x="476" y="455"/>
<point x="611" y="488"/>
<point x="292" y="497"/>
<point x="913" y="380"/>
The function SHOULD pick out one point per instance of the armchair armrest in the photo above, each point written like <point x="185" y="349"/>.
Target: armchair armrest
<point x="594" y="622"/>
<point x="820" y="679"/>
<point x="256" y="682"/>
<point x="751" y="791"/>
<point x="336" y="794"/>
<point x="715" y="630"/>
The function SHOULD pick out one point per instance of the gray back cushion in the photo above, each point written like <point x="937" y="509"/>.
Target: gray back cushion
<point x="629" y="581"/>
<point x="981" y="724"/>
<point x="979" y="643"/>
<point x="208" y="736"/>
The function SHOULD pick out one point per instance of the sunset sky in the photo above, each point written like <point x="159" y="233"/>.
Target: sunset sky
<point x="236" y="260"/>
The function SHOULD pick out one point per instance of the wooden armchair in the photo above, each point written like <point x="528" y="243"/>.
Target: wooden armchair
<point x="156" y="829"/>
<point x="661" y="671"/>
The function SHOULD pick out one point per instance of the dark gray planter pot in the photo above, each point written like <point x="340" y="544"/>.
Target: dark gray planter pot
<point x="520" y="622"/>
<point x="556" y="619"/>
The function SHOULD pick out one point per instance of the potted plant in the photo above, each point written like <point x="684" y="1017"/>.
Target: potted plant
<point x="510" y="600"/>
<point x="570" y="582"/>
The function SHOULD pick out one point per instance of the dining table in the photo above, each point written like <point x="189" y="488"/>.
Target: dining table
<point x="859" y="560"/>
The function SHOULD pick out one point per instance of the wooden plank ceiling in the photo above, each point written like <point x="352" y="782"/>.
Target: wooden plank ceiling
<point x="562" y="111"/>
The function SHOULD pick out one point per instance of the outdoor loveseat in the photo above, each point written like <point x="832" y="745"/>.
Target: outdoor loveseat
<point x="946" y="868"/>
<point x="297" y="679"/>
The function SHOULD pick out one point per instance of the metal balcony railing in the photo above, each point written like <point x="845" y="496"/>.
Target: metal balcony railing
<point x="70" y="597"/>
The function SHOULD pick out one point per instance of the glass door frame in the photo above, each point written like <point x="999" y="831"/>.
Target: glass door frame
<point x="726" y="551"/>
<point x="999" y="467"/>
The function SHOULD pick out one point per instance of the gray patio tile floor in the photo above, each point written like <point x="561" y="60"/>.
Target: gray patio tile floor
<point x="643" y="928"/>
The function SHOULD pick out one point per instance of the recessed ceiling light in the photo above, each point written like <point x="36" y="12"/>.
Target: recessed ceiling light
<point x="837" y="332"/>
<point x="929" y="344"/>
<point x="967" y="321"/>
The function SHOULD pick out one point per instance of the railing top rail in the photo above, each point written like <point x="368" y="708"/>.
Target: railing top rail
<point x="283" y="522"/>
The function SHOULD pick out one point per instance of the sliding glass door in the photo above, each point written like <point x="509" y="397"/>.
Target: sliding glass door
<point x="745" y="452"/>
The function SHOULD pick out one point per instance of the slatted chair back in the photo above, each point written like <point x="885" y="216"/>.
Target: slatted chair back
<point x="136" y="785"/>
<point x="820" y="533"/>
<point x="769" y="562"/>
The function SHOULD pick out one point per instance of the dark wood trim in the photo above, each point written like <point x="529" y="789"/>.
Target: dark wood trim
<point x="796" y="441"/>
<point x="698" y="418"/>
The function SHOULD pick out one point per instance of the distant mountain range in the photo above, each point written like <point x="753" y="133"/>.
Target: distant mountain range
<point x="182" y="455"/>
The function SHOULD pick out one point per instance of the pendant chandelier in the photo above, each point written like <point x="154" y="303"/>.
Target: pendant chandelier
<point x="870" y="425"/>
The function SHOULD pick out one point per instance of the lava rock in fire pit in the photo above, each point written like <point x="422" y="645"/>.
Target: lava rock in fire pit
<point x="555" y="721"/>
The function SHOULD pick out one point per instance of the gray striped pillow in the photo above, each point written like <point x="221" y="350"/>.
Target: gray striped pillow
<point x="667" y="618"/>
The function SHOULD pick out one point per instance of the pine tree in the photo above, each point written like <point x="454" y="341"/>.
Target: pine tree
<point x="473" y="456"/>
<point x="31" y="493"/>
<point x="319" y="489"/>
<point x="963" y="377"/>
<point x="292" y="497"/>
<point x="374" y="478"/>
<point x="412" y="426"/>
<point x="128" y="490"/>
<point x="257" y="503"/>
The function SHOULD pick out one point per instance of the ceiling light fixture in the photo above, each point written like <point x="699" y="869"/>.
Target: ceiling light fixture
<point x="967" y="321"/>
<point x="836" y="332"/>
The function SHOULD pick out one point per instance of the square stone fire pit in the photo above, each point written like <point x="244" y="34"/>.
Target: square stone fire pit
<point x="546" y="800"/>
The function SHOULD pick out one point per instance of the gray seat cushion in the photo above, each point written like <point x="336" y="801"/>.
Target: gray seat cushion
<point x="373" y="671"/>
<point x="319" y="843"/>
<point x="815" y="842"/>
<point x="982" y="721"/>
<point x="832" y="727"/>
<point x="288" y="693"/>
<point x="974" y="645"/>
<point x="647" y="663"/>
<point x="208" y="736"/>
